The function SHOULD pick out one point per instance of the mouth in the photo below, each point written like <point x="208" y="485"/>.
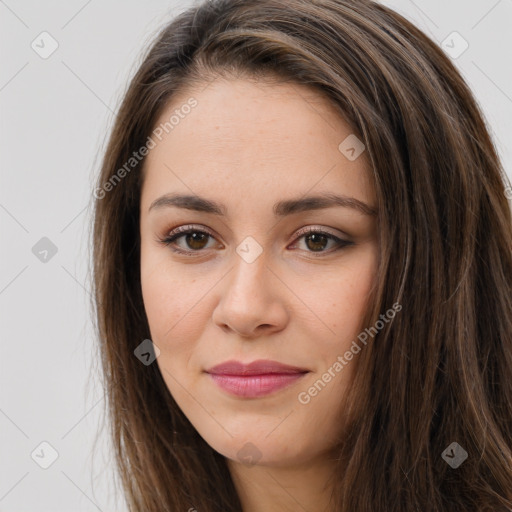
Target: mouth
<point x="256" y="379"/>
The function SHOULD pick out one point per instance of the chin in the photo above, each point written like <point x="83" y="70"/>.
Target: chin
<point x="261" y="450"/>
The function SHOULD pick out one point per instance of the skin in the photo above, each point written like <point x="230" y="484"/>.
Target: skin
<point x="249" y="144"/>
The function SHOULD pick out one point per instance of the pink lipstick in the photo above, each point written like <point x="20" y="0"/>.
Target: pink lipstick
<point x="255" y="379"/>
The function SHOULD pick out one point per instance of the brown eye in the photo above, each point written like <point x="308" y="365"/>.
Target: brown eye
<point x="316" y="241"/>
<point x="195" y="240"/>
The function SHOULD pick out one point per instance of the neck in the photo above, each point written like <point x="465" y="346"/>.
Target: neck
<point x="294" y="488"/>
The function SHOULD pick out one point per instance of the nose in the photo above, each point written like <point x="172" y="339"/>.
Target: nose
<point x="252" y="300"/>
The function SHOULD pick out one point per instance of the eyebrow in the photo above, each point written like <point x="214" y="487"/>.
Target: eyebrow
<point x="280" y="209"/>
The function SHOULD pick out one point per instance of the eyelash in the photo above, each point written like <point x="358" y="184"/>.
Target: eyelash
<point x="186" y="230"/>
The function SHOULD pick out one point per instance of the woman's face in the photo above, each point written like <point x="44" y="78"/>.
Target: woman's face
<point x="248" y="283"/>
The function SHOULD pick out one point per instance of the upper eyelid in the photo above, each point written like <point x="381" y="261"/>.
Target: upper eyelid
<point x="170" y="239"/>
<point x="177" y="233"/>
<point x="305" y="230"/>
<point x="179" y="230"/>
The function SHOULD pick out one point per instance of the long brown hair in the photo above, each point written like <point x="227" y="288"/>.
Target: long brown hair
<point x="441" y="372"/>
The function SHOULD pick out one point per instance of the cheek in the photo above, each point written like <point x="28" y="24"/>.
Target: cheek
<point x="353" y="294"/>
<point x="340" y="297"/>
<point x="160" y="304"/>
<point x="167" y="317"/>
<point x="176" y="309"/>
<point x="165" y="303"/>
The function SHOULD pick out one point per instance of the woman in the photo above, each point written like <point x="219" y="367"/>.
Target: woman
<point x="303" y="269"/>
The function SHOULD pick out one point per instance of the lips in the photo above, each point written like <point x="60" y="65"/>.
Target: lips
<point x="259" y="367"/>
<point x="255" y="379"/>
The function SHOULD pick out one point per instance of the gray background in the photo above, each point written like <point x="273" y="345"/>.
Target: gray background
<point x="55" y="114"/>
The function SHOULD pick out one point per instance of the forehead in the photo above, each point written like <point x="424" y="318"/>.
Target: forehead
<point x="256" y="136"/>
